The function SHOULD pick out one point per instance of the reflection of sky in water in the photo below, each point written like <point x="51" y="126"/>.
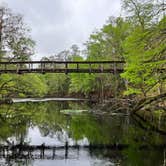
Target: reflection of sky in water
<point x="18" y="100"/>
<point x="34" y="137"/>
<point x="76" y="159"/>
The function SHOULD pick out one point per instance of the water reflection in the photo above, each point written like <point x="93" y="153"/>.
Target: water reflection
<point x="99" y="137"/>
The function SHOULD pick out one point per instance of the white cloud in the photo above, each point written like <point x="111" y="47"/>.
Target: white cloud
<point x="57" y="24"/>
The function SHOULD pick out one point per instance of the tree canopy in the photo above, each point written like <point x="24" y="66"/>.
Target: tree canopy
<point x="15" y="42"/>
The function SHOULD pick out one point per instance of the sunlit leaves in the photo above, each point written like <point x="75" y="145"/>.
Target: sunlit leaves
<point x="145" y="56"/>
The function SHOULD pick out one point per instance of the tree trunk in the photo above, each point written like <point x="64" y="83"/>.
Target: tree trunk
<point x="146" y="101"/>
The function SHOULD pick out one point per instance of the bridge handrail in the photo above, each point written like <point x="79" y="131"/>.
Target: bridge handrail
<point x="62" y="62"/>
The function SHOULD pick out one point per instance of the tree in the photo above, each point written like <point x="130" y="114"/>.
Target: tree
<point x="30" y="85"/>
<point x="15" y="43"/>
<point x="107" y="44"/>
<point x="57" y="84"/>
<point x="7" y="84"/>
<point x="74" y="52"/>
<point x="143" y="12"/>
<point x="145" y="50"/>
<point x="62" y="56"/>
<point x="114" y="33"/>
<point x="137" y="11"/>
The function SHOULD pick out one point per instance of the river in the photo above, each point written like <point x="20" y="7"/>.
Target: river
<point x="71" y="135"/>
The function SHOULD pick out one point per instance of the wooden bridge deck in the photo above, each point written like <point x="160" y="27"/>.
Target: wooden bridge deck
<point x="62" y="67"/>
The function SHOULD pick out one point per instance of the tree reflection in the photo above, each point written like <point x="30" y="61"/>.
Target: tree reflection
<point x="16" y="120"/>
<point x="99" y="131"/>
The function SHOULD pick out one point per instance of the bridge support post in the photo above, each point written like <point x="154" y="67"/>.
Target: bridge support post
<point x="5" y="67"/>
<point x="66" y="68"/>
<point x="53" y="153"/>
<point x="101" y="68"/>
<point x="18" y="68"/>
<point x="90" y="68"/>
<point x="114" y="68"/>
<point x="42" y="67"/>
<point x="77" y="66"/>
<point x="66" y="149"/>
<point x="53" y="66"/>
<point x="29" y="67"/>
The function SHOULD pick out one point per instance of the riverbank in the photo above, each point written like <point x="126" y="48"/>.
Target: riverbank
<point x="149" y="107"/>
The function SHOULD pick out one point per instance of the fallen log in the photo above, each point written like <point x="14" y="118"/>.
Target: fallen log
<point x="142" y="103"/>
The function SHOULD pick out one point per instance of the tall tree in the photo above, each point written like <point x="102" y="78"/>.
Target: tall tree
<point x="106" y="44"/>
<point x="143" y="12"/>
<point x="15" y="43"/>
<point x="145" y="48"/>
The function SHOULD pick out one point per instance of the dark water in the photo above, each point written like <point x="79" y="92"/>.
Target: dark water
<point x="106" y="140"/>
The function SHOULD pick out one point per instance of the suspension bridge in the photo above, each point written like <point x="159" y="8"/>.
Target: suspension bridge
<point x="62" y="67"/>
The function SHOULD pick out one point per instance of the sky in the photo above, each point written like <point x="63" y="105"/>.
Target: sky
<point x="58" y="24"/>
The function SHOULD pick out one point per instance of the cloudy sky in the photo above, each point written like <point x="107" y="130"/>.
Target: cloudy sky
<point x="57" y="24"/>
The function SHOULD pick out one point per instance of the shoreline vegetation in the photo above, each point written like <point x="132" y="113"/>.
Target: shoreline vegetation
<point x="148" y="113"/>
<point x="112" y="104"/>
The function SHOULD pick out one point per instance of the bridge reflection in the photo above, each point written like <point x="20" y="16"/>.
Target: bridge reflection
<point x="50" y="152"/>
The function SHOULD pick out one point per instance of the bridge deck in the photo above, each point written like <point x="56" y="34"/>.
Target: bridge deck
<point x="62" y="67"/>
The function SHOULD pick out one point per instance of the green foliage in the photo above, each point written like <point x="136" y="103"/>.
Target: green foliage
<point x="57" y="84"/>
<point x="145" y="56"/>
<point x="6" y="85"/>
<point x="81" y="83"/>
<point x="31" y="85"/>
<point x="142" y="13"/>
<point x="23" y="49"/>
<point x="107" y="43"/>
<point x="15" y="42"/>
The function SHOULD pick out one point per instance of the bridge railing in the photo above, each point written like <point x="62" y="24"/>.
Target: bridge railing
<point x="62" y="66"/>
